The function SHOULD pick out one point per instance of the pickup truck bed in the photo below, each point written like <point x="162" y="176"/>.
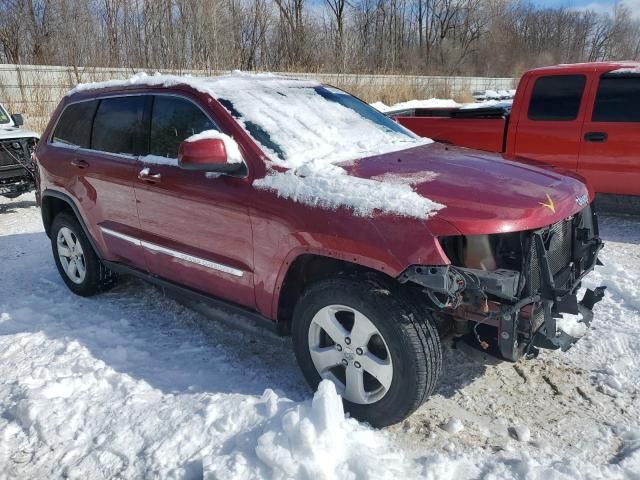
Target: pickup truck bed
<point x="478" y="128"/>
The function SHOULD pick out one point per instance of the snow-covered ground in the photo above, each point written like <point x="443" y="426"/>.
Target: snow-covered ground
<point x="132" y="384"/>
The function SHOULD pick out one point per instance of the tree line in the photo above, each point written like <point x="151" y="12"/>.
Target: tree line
<point x="448" y="37"/>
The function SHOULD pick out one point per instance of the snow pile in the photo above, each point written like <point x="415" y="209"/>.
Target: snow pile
<point x="453" y="426"/>
<point x="488" y="104"/>
<point x="331" y="188"/>
<point x="411" y="104"/>
<point x="572" y="325"/>
<point x="230" y="145"/>
<point x="65" y="412"/>
<point x="318" y="442"/>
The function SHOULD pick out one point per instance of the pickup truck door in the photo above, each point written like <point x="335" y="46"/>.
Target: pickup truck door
<point x="549" y="129"/>
<point x="196" y="231"/>
<point x="609" y="155"/>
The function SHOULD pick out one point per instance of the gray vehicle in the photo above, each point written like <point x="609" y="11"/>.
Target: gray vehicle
<point x="16" y="146"/>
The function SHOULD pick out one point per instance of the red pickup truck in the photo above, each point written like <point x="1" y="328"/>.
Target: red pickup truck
<point x="583" y="118"/>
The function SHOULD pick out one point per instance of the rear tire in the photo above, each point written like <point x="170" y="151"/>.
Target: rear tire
<point x="78" y="265"/>
<point x="399" y="353"/>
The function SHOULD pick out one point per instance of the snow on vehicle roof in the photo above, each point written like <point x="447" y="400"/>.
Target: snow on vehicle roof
<point x="302" y="122"/>
<point x="298" y="124"/>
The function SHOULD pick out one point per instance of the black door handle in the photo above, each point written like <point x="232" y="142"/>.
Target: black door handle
<point x="596" y="137"/>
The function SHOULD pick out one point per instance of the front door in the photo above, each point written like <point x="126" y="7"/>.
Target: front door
<point x="195" y="229"/>
<point x="609" y="155"/>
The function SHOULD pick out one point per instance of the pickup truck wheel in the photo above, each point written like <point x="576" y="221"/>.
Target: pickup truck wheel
<point x="77" y="263"/>
<point x="382" y="354"/>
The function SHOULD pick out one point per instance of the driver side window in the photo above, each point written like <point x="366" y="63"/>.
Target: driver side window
<point x="174" y="119"/>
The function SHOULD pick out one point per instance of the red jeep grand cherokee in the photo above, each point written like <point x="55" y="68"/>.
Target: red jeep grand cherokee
<point x="302" y="204"/>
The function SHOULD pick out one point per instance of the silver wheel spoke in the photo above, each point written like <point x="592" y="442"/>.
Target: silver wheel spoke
<point x="81" y="268"/>
<point x="64" y="251"/>
<point x="73" y="269"/>
<point x="362" y="330"/>
<point x="66" y="233"/>
<point x="325" y="358"/>
<point x="381" y="370"/>
<point x="330" y="324"/>
<point x="354" y="390"/>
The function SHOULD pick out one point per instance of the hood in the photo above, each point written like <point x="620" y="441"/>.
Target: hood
<point x="8" y="132"/>
<point x="483" y="193"/>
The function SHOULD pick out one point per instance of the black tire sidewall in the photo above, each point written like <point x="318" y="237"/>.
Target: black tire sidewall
<point x="90" y="285"/>
<point x="389" y="316"/>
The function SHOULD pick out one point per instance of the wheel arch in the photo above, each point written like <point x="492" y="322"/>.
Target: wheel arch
<point x="54" y="202"/>
<point x="306" y="268"/>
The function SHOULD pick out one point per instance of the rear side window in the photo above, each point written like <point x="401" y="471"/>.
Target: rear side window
<point x="557" y="97"/>
<point x="617" y="100"/>
<point x="119" y="125"/>
<point x="74" y="126"/>
<point x="174" y="119"/>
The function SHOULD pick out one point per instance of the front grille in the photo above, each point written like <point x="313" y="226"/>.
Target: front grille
<point x="558" y="240"/>
<point x="14" y="152"/>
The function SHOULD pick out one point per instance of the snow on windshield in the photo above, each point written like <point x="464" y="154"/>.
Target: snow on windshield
<point x="307" y="127"/>
<point x="298" y="124"/>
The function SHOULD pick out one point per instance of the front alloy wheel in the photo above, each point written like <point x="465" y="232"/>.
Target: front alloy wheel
<point x="367" y="336"/>
<point x="349" y="350"/>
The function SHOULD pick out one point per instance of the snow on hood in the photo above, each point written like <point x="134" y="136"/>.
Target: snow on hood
<point x="307" y="128"/>
<point x="8" y="132"/>
<point x="331" y="188"/>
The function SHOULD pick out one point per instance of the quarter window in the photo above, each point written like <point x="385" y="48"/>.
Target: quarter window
<point x="617" y="100"/>
<point x="557" y="97"/>
<point x="173" y="120"/>
<point x="119" y="125"/>
<point x="74" y="126"/>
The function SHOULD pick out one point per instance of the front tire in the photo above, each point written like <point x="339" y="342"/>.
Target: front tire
<point x="382" y="353"/>
<point x="77" y="262"/>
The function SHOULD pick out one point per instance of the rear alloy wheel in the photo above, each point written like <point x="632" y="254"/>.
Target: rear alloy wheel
<point x="78" y="264"/>
<point x="71" y="255"/>
<point x="381" y="351"/>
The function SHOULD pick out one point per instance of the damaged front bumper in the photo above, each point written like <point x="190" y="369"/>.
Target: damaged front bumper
<point x="523" y="305"/>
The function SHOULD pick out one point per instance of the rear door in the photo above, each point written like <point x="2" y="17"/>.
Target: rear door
<point x="196" y="229"/>
<point x="95" y="146"/>
<point x="610" y="153"/>
<point x="549" y="131"/>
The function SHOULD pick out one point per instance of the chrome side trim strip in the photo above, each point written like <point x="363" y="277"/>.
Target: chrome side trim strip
<point x="173" y="253"/>
<point x="121" y="236"/>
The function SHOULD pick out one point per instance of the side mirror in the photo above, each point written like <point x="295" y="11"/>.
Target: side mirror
<point x="18" y="121"/>
<point x="207" y="154"/>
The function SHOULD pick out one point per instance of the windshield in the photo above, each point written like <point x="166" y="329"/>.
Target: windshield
<point x="4" y="116"/>
<point x="298" y="124"/>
